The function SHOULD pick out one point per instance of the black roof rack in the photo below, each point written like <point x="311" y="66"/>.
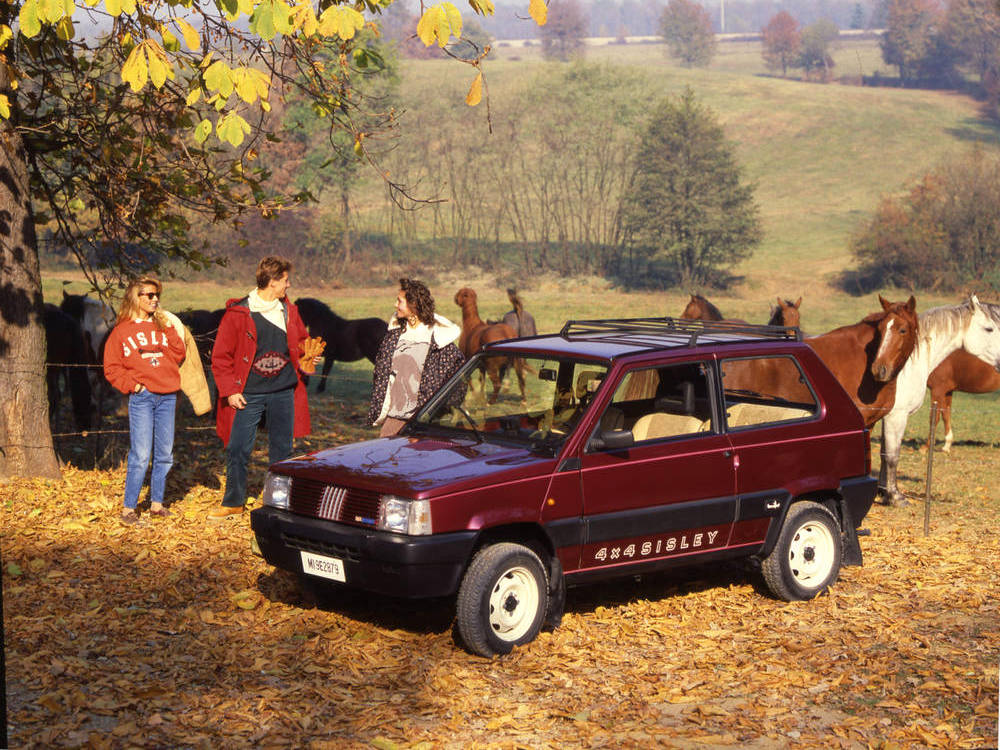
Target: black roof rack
<point x="624" y="330"/>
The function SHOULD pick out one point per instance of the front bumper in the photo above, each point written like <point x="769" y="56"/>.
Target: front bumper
<point x="394" y="564"/>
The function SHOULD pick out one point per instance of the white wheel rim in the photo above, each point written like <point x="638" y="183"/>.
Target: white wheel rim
<point x="513" y="604"/>
<point x="811" y="554"/>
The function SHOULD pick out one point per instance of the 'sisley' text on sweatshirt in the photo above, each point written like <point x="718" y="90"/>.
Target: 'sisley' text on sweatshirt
<point x="138" y="351"/>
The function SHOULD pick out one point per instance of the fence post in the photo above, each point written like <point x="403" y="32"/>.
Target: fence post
<point x="930" y="469"/>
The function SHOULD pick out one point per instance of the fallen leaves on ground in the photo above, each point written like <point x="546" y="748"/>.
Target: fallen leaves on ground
<point x="173" y="634"/>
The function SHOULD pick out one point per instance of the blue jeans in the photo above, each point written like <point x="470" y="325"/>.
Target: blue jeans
<point x="151" y="431"/>
<point x="280" y="410"/>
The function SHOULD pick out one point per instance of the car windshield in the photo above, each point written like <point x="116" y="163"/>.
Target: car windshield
<point x="487" y="400"/>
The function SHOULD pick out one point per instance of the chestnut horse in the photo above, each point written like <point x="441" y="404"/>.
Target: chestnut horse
<point x="866" y="357"/>
<point x="960" y="371"/>
<point x="974" y="326"/>
<point x="476" y="333"/>
<point x="785" y="314"/>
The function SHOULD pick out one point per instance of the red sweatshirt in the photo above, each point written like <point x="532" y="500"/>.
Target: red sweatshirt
<point x="139" y="352"/>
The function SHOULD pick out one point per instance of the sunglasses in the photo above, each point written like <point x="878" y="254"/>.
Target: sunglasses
<point x="151" y="295"/>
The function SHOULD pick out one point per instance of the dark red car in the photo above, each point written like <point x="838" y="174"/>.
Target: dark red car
<point x="635" y="445"/>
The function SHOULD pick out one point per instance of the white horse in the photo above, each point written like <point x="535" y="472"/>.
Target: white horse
<point x="974" y="326"/>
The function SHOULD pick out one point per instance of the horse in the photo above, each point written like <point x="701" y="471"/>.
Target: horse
<point x="476" y="334"/>
<point x="346" y="340"/>
<point x="785" y="314"/>
<point x="972" y="325"/>
<point x="523" y="323"/>
<point x="203" y="324"/>
<point x="699" y="308"/>
<point x="867" y="357"/>
<point x="66" y="358"/>
<point x="96" y="319"/>
<point x="959" y="371"/>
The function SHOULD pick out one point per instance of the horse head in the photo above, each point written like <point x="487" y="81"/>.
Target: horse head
<point x="700" y="308"/>
<point x="786" y="313"/>
<point x="897" y="326"/>
<point x="465" y="298"/>
<point x="982" y="336"/>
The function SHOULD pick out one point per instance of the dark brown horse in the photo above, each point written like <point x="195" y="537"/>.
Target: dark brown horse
<point x="476" y="333"/>
<point x="960" y="371"/>
<point x="867" y="356"/>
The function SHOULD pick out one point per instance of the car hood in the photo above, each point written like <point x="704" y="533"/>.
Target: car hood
<point x="418" y="466"/>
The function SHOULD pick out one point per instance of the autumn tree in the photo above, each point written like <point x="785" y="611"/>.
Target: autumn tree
<point x="814" y="53"/>
<point x="972" y="30"/>
<point x="944" y="234"/>
<point x="562" y="35"/>
<point x="687" y="213"/>
<point x="687" y="30"/>
<point x="111" y="139"/>
<point x="909" y="36"/>
<point x="782" y="41"/>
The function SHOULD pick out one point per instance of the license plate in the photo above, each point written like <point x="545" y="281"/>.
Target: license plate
<point x="322" y="566"/>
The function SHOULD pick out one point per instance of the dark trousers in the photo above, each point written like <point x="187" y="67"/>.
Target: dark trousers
<point x="280" y="410"/>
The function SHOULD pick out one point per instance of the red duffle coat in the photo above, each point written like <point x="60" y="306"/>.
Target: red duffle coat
<point x="232" y="357"/>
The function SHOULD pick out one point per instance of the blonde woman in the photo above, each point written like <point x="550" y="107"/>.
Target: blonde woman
<point x="141" y="359"/>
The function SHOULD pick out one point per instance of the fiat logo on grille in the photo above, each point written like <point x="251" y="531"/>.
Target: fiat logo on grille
<point x="331" y="502"/>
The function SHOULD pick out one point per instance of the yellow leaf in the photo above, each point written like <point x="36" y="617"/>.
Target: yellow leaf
<point x="482" y="7"/>
<point x="4" y="107"/>
<point x="114" y="7"/>
<point x="5" y="35"/>
<point x="160" y="68"/>
<point x="475" y="94"/>
<point x="433" y="26"/>
<point x="191" y="38"/>
<point x="194" y="95"/>
<point x="134" y="71"/>
<point x="128" y="6"/>
<point x="539" y="11"/>
<point x="342" y="22"/>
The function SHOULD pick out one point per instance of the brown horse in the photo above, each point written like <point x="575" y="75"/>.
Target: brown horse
<point x="785" y="314"/>
<point x="867" y="356"/>
<point x="960" y="371"/>
<point x="476" y="333"/>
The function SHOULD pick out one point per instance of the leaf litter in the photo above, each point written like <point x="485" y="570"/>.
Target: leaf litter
<point x="173" y="634"/>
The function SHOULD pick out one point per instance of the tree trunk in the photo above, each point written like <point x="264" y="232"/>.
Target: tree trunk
<point x="25" y="439"/>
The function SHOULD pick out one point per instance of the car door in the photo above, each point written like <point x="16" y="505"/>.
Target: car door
<point x="672" y="492"/>
<point x="770" y="412"/>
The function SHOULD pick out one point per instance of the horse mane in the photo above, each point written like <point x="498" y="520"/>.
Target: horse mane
<point x="947" y="320"/>
<point x="712" y="309"/>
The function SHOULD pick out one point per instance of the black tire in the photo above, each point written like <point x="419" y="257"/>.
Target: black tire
<point x="806" y="560"/>
<point x="502" y="599"/>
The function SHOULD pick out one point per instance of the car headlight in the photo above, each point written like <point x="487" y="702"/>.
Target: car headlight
<point x="277" y="491"/>
<point x="404" y="516"/>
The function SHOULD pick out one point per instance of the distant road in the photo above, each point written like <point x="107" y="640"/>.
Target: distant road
<point x="598" y="41"/>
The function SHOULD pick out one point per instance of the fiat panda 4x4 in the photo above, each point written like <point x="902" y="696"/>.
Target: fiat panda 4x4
<point x="632" y="446"/>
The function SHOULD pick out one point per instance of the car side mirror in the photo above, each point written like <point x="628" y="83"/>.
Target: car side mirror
<point x="611" y="440"/>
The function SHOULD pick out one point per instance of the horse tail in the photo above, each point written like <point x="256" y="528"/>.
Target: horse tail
<point x="516" y="302"/>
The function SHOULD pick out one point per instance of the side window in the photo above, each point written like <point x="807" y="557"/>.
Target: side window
<point x="660" y="403"/>
<point x="765" y="390"/>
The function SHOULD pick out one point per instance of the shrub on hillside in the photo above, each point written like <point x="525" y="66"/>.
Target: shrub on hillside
<point x="942" y="235"/>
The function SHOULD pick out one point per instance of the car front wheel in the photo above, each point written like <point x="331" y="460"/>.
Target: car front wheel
<point x="806" y="559"/>
<point x="502" y="599"/>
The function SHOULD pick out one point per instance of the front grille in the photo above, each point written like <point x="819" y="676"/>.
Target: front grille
<point x="333" y="503"/>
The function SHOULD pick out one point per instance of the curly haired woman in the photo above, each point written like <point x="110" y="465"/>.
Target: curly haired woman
<point x="416" y="357"/>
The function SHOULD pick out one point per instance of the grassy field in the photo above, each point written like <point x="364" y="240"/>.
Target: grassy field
<point x="820" y="155"/>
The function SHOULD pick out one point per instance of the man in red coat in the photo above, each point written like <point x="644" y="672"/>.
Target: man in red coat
<point x="255" y="362"/>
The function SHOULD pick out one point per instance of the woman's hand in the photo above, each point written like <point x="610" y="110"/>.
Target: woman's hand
<point x="139" y="388"/>
<point x="237" y="401"/>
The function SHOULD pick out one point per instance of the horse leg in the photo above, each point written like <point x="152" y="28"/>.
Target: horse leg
<point x="945" y="408"/>
<point x="327" y="366"/>
<point x="493" y="370"/>
<point x="893" y="427"/>
<point x="519" y="369"/>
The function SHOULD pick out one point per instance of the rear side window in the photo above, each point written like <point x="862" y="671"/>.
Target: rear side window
<point x="661" y="403"/>
<point x="765" y="390"/>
